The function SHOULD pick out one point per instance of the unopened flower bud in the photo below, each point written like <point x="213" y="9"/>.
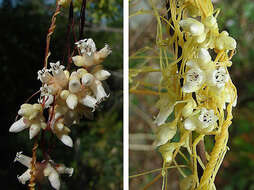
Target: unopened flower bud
<point x="192" y="26"/>
<point x="87" y="79"/>
<point x="64" y="94"/>
<point x="67" y="74"/>
<point x="74" y="83"/>
<point x="204" y="57"/>
<point x="102" y="75"/>
<point x="78" y="60"/>
<point x="72" y="101"/>
<point x="66" y="140"/>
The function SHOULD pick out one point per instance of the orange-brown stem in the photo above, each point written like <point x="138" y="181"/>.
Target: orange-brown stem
<point x="50" y="32"/>
<point x="33" y="167"/>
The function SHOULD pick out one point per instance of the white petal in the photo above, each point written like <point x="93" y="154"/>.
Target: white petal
<point x="87" y="79"/>
<point x="192" y="63"/>
<point x="235" y="102"/>
<point x="102" y="75"/>
<point x="72" y="101"/>
<point x="54" y="180"/>
<point x="99" y="91"/>
<point x="104" y="52"/>
<point x="74" y="84"/>
<point x="89" y="101"/>
<point x="18" y="126"/>
<point x="34" y="130"/>
<point x="201" y="38"/>
<point x="62" y="169"/>
<point x="25" y="160"/>
<point x="78" y="60"/>
<point x="66" y="140"/>
<point x="190" y="87"/>
<point x="69" y="171"/>
<point x="189" y="124"/>
<point x="204" y="56"/>
<point x="193" y="26"/>
<point x="24" y="177"/>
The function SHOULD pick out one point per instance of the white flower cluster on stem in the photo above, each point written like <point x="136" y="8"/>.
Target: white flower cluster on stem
<point x="207" y="79"/>
<point x="67" y="97"/>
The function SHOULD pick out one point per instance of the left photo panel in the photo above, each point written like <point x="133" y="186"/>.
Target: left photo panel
<point x="62" y="92"/>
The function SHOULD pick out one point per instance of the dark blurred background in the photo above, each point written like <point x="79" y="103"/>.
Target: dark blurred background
<point x="236" y="172"/>
<point x="97" y="154"/>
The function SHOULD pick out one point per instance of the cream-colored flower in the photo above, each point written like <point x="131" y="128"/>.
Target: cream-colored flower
<point x="47" y="169"/>
<point x="32" y="118"/>
<point x="61" y="131"/>
<point x="217" y="77"/>
<point x="194" y="27"/>
<point x="205" y="121"/>
<point x="89" y="55"/>
<point x="194" y="79"/>
<point x="225" y="42"/>
<point x="55" y="78"/>
<point x="164" y="133"/>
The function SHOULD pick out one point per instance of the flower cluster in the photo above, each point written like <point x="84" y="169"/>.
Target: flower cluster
<point x="46" y="168"/>
<point x="67" y="97"/>
<point x="203" y="98"/>
<point x="202" y="75"/>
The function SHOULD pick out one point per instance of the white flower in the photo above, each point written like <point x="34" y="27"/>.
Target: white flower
<point x="72" y="101"/>
<point x="207" y="117"/>
<point x="74" y="82"/>
<point x="24" y="160"/>
<point x="89" y="55"/>
<point x="56" y="68"/>
<point x="99" y="91"/>
<point x="203" y="57"/>
<point x="46" y="96"/>
<point x="44" y="76"/>
<point x="192" y="26"/>
<point x="87" y="79"/>
<point x="32" y="117"/>
<point x="224" y="41"/>
<point x="193" y="80"/>
<point x="18" y="126"/>
<point x="66" y="140"/>
<point x="102" y="75"/>
<point x="103" y="53"/>
<point x="24" y="177"/>
<point x="47" y="169"/>
<point x="86" y="46"/>
<point x="62" y="132"/>
<point x="218" y="77"/>
<point x="89" y="101"/>
<point x="53" y="170"/>
<point x="59" y="74"/>
<point x="203" y="122"/>
<point x="211" y="22"/>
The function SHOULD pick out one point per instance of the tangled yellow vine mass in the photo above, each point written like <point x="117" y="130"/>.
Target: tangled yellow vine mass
<point x="195" y="86"/>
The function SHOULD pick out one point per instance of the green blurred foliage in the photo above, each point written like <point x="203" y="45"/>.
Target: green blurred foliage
<point x="97" y="154"/>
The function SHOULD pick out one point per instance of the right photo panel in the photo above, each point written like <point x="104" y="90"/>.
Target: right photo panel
<point x="191" y="94"/>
